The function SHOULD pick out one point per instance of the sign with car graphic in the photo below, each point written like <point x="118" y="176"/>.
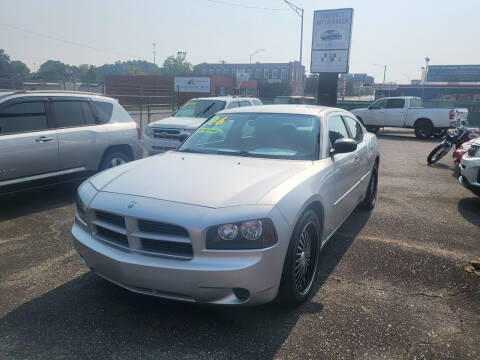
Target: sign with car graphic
<point x="332" y="31"/>
<point x="192" y="84"/>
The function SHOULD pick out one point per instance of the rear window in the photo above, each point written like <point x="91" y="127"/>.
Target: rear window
<point x="416" y="103"/>
<point x="69" y="114"/>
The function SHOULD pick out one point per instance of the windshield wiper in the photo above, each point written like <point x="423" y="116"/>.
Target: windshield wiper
<point x="204" y="110"/>
<point x="196" y="151"/>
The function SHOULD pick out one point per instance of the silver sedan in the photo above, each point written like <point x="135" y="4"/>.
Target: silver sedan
<point x="238" y="214"/>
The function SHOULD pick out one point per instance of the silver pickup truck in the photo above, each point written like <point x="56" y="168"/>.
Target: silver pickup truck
<point x="408" y="112"/>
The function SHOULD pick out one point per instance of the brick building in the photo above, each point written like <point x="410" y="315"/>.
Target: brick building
<point x="291" y="73"/>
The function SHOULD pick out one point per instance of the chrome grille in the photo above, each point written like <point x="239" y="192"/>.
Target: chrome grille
<point x="112" y="236"/>
<point x="170" y="134"/>
<point x="167" y="247"/>
<point x="110" y="218"/>
<point x="161" y="228"/>
<point x="144" y="236"/>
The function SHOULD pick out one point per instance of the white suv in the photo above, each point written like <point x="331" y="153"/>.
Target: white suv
<point x="46" y="134"/>
<point x="170" y="133"/>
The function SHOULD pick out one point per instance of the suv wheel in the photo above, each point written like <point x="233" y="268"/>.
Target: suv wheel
<point x="300" y="267"/>
<point x="113" y="159"/>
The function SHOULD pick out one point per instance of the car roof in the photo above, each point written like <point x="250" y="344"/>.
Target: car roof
<point x="282" y="109"/>
<point x="23" y="93"/>
<point x="225" y="98"/>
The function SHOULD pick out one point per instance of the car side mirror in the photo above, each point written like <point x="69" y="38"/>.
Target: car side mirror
<point x="344" y="145"/>
<point x="173" y="114"/>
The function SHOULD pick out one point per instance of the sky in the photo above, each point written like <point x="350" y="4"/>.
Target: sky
<point x="399" y="34"/>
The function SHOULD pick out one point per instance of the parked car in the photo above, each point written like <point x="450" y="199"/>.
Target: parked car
<point x="408" y="112"/>
<point x="238" y="214"/>
<point x="170" y="133"/>
<point x="470" y="168"/>
<point x="331" y="35"/>
<point x="45" y="134"/>
<point x="295" y="100"/>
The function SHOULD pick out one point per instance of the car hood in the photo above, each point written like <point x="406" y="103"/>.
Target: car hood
<point x="178" y="122"/>
<point x="200" y="179"/>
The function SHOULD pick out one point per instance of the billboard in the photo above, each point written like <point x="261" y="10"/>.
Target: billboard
<point x="453" y="73"/>
<point x="332" y="32"/>
<point x="192" y="84"/>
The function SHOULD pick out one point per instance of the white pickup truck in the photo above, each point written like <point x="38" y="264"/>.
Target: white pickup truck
<point x="408" y="112"/>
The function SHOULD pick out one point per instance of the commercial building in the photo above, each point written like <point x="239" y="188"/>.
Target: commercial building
<point x="358" y="81"/>
<point x="291" y="73"/>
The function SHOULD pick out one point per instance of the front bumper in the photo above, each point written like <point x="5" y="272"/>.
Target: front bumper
<point x="157" y="146"/>
<point x="470" y="170"/>
<point x="210" y="276"/>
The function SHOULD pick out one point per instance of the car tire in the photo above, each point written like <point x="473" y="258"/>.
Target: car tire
<point x="299" y="273"/>
<point x="371" y="197"/>
<point x="424" y="129"/>
<point x="113" y="159"/>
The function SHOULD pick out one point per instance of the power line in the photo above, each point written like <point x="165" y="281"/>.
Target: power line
<point x="245" y="6"/>
<point x="64" y="41"/>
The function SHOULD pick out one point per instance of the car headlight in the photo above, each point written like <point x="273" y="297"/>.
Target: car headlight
<point x="148" y="131"/>
<point x="81" y="209"/>
<point x="251" y="234"/>
<point x="474" y="150"/>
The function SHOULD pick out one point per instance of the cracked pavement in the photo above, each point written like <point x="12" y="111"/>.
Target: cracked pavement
<point x="392" y="284"/>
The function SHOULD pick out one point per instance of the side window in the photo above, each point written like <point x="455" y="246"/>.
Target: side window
<point x="379" y="105"/>
<point x="355" y="129"/>
<point x="23" y="117"/>
<point x="395" y="103"/>
<point x="68" y="114"/>
<point x="233" y="105"/>
<point x="256" y="102"/>
<point x="245" y="103"/>
<point x="87" y="113"/>
<point x="104" y="111"/>
<point x="336" y="129"/>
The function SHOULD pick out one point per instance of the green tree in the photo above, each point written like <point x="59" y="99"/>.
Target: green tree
<point x="53" y="70"/>
<point x="4" y="62"/>
<point x="19" y="69"/>
<point x="177" y="64"/>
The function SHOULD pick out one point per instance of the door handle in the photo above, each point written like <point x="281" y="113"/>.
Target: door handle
<point x="43" y="139"/>
<point x="356" y="160"/>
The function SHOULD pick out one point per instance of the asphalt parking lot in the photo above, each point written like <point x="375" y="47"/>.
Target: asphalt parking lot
<point x="393" y="284"/>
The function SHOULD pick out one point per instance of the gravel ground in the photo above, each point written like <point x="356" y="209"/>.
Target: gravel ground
<point x="392" y="284"/>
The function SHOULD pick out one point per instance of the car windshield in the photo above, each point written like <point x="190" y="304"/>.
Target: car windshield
<point x="265" y="135"/>
<point x="200" y="108"/>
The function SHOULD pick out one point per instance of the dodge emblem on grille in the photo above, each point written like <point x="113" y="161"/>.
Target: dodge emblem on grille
<point x="131" y="204"/>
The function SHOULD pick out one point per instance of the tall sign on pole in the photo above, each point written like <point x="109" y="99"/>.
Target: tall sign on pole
<point x="331" y="38"/>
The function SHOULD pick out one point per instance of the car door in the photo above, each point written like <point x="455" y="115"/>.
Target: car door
<point x="395" y="113"/>
<point x="339" y="183"/>
<point x="362" y="166"/>
<point x="82" y="141"/>
<point x="28" y="143"/>
<point x="376" y="113"/>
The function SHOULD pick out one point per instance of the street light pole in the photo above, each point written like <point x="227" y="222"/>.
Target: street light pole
<point x="427" y="60"/>
<point x="255" y="53"/>
<point x="299" y="12"/>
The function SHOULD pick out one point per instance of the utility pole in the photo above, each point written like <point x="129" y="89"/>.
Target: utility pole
<point x="299" y="12"/>
<point x="384" y="71"/>
<point x="154" y="53"/>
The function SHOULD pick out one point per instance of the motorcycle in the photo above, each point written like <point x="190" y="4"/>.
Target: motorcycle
<point x="453" y="138"/>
